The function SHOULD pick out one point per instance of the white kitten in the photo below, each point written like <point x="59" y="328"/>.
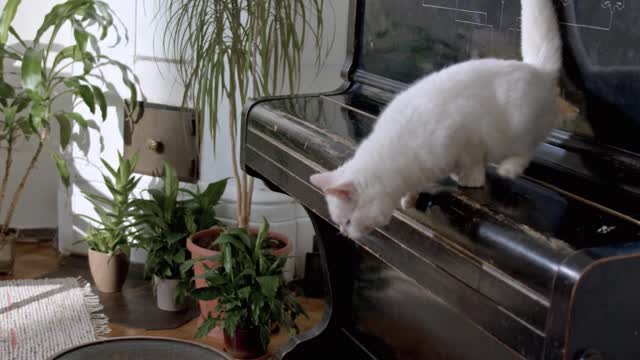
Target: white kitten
<point x="453" y="122"/>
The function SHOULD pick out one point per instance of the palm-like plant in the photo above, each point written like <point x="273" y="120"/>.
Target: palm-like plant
<point x="28" y="110"/>
<point x="225" y="47"/>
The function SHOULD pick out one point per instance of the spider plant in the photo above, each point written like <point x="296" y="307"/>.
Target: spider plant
<point x="28" y="110"/>
<point x="226" y="47"/>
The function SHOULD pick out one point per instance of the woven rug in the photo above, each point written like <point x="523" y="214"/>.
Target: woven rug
<point x="39" y="318"/>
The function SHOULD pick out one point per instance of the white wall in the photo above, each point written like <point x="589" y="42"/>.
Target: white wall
<point x="143" y="54"/>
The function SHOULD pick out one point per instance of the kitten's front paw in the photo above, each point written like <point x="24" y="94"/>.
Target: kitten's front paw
<point x="474" y="178"/>
<point x="513" y="167"/>
<point x="409" y="201"/>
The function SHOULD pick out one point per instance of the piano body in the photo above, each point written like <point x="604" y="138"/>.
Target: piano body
<point x="543" y="267"/>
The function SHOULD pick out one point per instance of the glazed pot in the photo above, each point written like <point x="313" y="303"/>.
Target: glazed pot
<point x="166" y="290"/>
<point x="109" y="272"/>
<point x="7" y="252"/>
<point x="245" y="344"/>
<point x="194" y="245"/>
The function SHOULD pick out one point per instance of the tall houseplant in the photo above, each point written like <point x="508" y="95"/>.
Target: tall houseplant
<point x="226" y="47"/>
<point x="109" y="237"/>
<point x="29" y="109"/>
<point x="166" y="221"/>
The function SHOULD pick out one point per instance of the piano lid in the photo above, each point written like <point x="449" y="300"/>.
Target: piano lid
<point x="403" y="40"/>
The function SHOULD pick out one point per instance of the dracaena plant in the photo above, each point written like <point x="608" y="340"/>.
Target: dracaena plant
<point x="167" y="220"/>
<point x="226" y="47"/>
<point x="249" y="286"/>
<point x="112" y="231"/>
<point x="29" y="109"/>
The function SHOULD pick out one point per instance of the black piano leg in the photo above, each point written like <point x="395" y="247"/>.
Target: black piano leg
<point x="328" y="338"/>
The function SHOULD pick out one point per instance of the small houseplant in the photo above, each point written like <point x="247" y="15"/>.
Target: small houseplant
<point x="166" y="221"/>
<point x="109" y="239"/>
<point x="251" y="292"/>
<point x="28" y="109"/>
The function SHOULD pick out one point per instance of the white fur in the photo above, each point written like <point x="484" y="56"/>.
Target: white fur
<point x="452" y="122"/>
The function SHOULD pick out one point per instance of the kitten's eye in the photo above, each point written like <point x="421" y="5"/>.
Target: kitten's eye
<point x="348" y="222"/>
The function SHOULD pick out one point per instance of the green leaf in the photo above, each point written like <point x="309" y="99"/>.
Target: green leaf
<point x="269" y="285"/>
<point x="6" y="90"/>
<point x="10" y="117"/>
<point x="244" y="292"/>
<point x="70" y="52"/>
<point x="206" y="327"/>
<point x="61" y="166"/>
<point x="206" y="294"/>
<point x="264" y="231"/>
<point x="82" y="38"/>
<point x="174" y="237"/>
<point x="65" y="130"/>
<point x="79" y="119"/>
<point x="87" y="96"/>
<point x="214" y="191"/>
<point x="8" y="14"/>
<point x="102" y="102"/>
<point x="225" y="239"/>
<point x="32" y="69"/>
<point x="228" y="260"/>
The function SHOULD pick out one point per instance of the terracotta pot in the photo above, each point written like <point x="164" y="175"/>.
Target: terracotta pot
<point x="245" y="344"/>
<point x="166" y="290"/>
<point x="209" y="307"/>
<point x="7" y="252"/>
<point x="109" y="272"/>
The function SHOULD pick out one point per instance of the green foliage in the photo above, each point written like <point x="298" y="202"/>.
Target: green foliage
<point x="226" y="47"/>
<point x="44" y="80"/>
<point x="253" y="41"/>
<point x="249" y="286"/>
<point x="114" y="229"/>
<point x="167" y="221"/>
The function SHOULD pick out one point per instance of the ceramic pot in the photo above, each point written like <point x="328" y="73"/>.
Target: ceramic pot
<point x="166" y="290"/>
<point x="245" y="344"/>
<point x="208" y="236"/>
<point x="7" y="252"/>
<point x="109" y="272"/>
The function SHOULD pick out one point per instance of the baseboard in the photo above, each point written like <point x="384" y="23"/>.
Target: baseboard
<point x="38" y="235"/>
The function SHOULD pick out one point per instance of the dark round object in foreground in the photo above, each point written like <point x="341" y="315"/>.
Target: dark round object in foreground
<point x="141" y="348"/>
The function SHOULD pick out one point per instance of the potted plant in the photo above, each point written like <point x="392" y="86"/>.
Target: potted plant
<point x="28" y="109"/>
<point x="227" y="48"/>
<point x="166" y="223"/>
<point x="109" y="239"/>
<point x="251" y="292"/>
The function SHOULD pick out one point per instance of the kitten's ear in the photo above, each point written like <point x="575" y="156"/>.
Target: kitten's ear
<point x="322" y="180"/>
<point x="346" y="191"/>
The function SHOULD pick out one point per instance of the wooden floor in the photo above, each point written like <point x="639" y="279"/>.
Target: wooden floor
<point x="35" y="260"/>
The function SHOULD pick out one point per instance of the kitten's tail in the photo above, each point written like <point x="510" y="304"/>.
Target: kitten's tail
<point x="541" y="40"/>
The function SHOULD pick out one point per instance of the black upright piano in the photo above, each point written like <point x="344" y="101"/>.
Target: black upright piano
<point x="546" y="266"/>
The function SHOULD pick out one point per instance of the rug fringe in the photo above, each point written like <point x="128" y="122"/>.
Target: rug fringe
<point x="99" y="320"/>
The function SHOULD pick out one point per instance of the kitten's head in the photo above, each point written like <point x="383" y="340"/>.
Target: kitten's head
<point x="351" y="207"/>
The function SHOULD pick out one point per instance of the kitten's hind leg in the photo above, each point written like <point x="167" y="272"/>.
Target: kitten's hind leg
<point x="409" y="200"/>
<point x="473" y="177"/>
<point x="513" y="167"/>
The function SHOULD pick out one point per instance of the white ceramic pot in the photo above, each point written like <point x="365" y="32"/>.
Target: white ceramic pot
<point x="166" y="294"/>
